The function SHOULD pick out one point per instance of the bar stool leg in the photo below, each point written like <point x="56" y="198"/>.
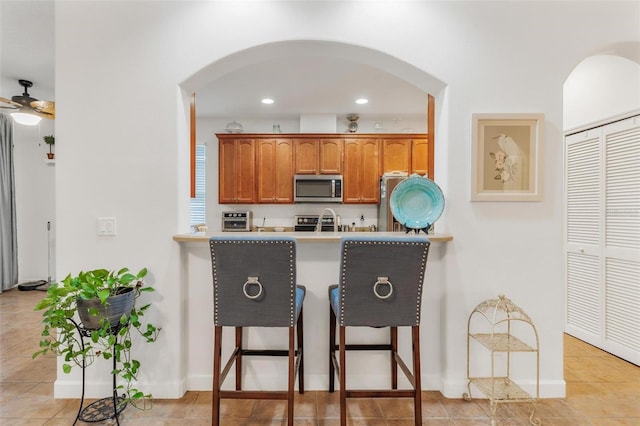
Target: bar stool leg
<point x="292" y="375"/>
<point x="332" y="348"/>
<point x="343" y="377"/>
<point x="300" y="329"/>
<point x="393" y="337"/>
<point x="415" y="341"/>
<point x="239" y="358"/>
<point x="217" y="354"/>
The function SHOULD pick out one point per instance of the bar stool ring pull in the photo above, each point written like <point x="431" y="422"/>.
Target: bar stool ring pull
<point x="383" y="280"/>
<point x="250" y="281"/>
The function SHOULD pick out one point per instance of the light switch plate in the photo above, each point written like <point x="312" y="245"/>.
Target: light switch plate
<point x="106" y="226"/>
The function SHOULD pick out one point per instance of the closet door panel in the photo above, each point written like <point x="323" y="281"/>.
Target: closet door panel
<point x="622" y="308"/>
<point x="583" y="188"/>
<point x="583" y="236"/>
<point x="622" y="181"/>
<point x="621" y="245"/>
<point x="583" y="296"/>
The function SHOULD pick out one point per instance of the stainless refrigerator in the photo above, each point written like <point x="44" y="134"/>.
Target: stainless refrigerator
<point x="386" y="221"/>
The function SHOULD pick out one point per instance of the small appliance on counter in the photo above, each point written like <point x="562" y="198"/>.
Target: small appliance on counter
<point x="308" y="223"/>
<point x="236" y="221"/>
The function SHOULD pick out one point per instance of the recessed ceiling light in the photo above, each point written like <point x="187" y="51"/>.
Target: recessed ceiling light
<point x="267" y="101"/>
<point x="362" y="101"/>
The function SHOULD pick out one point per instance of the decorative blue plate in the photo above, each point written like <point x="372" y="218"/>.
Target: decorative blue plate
<point x="417" y="202"/>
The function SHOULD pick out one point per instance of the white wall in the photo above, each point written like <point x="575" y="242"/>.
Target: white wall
<point x="599" y="88"/>
<point x="126" y="155"/>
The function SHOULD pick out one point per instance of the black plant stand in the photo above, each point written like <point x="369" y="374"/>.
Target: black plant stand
<point x="105" y="408"/>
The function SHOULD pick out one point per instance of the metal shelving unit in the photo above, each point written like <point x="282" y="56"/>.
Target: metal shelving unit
<point x="491" y="325"/>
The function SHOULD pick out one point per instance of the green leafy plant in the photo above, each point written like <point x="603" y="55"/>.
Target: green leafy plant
<point x="61" y="332"/>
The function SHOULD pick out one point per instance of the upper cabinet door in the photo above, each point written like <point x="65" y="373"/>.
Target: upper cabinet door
<point x="330" y="158"/>
<point x="315" y="156"/>
<point x="396" y="155"/>
<point x="420" y="157"/>
<point x="246" y="160"/>
<point x="236" y="174"/>
<point x="306" y="156"/>
<point x="227" y="171"/>
<point x="275" y="171"/>
<point x="361" y="171"/>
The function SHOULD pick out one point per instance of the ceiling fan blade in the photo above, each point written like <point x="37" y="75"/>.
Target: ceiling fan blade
<point x="7" y="103"/>
<point x="50" y="116"/>
<point x="44" y="107"/>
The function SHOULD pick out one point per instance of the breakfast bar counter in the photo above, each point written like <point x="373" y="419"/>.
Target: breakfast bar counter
<point x="199" y="237"/>
<point x="318" y="260"/>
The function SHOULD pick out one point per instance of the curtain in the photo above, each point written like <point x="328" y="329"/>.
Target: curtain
<point x="8" y="233"/>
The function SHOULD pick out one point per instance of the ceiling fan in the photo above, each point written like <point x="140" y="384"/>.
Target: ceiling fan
<point x="26" y="104"/>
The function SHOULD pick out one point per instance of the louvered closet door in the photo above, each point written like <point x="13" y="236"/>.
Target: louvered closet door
<point x="603" y="237"/>
<point x="622" y="239"/>
<point x="583" y="217"/>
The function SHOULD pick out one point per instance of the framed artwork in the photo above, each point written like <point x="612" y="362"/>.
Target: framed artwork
<point x="506" y="157"/>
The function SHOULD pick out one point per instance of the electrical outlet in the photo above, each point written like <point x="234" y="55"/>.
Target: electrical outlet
<point x="106" y="226"/>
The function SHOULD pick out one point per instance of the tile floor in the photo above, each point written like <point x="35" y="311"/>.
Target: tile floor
<point x="601" y="390"/>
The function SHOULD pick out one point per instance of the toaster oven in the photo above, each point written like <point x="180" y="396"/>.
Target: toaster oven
<point x="236" y="221"/>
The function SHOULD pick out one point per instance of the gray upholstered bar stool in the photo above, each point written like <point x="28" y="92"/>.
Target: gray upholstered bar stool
<point x="380" y="286"/>
<point x="254" y="285"/>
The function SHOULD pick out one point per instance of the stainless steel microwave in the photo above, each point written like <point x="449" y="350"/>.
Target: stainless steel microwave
<point x="317" y="188"/>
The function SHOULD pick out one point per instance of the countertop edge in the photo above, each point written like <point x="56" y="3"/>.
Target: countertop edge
<point x="303" y="236"/>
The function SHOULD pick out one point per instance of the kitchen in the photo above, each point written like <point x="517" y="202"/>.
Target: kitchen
<point x="396" y="107"/>
<point x="310" y="198"/>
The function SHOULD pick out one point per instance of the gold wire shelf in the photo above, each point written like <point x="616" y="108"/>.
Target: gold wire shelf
<point x="490" y="324"/>
<point x="502" y="342"/>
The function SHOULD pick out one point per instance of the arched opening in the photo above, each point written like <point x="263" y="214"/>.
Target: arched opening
<point x="602" y="170"/>
<point x="601" y="87"/>
<point x="404" y="87"/>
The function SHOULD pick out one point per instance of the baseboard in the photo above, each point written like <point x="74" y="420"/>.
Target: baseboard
<point x="102" y="389"/>
<point x="312" y="382"/>
<point x="548" y="388"/>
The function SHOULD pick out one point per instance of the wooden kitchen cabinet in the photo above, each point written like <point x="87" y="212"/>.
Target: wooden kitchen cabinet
<point x="274" y="171"/>
<point x="361" y="171"/>
<point x="420" y="157"/>
<point x="236" y="172"/>
<point x="314" y="156"/>
<point x="396" y="155"/>
<point x="259" y="168"/>
<point x="409" y="155"/>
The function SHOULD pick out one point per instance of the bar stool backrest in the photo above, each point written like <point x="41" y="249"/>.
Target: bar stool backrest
<point x="254" y="281"/>
<point x="381" y="280"/>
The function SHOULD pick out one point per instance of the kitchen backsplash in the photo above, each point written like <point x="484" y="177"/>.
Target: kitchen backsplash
<point x="282" y="215"/>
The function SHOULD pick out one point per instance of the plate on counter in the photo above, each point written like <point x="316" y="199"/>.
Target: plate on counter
<point x="417" y="202"/>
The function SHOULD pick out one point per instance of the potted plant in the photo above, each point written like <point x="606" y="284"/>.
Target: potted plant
<point x="96" y="297"/>
<point x="50" y="140"/>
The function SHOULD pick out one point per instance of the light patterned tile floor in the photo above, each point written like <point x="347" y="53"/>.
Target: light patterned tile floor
<point x="602" y="390"/>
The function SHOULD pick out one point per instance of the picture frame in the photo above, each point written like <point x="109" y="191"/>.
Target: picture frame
<point x="506" y="160"/>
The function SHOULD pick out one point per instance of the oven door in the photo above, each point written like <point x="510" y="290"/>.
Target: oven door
<point x="235" y="224"/>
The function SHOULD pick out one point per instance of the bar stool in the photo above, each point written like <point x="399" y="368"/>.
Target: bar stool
<point x="254" y="285"/>
<point x="380" y="286"/>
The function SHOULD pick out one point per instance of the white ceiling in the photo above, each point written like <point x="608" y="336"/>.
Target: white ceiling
<point x="299" y="85"/>
<point x="27" y="47"/>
